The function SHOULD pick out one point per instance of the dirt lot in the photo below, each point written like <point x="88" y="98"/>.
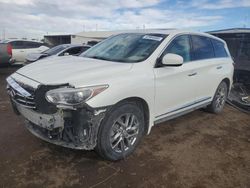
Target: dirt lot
<point x="196" y="150"/>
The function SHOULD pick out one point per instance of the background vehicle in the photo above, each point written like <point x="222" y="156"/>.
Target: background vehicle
<point x="20" y="49"/>
<point x="110" y="96"/>
<point x="5" y="53"/>
<point x="60" y="50"/>
<point x="238" y="43"/>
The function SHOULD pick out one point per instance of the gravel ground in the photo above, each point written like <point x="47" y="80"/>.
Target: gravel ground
<point x="196" y="150"/>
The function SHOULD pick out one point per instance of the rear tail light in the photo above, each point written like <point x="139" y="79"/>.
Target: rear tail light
<point x="9" y="49"/>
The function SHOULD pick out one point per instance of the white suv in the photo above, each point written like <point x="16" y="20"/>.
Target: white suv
<point x="113" y="94"/>
<point x="20" y="49"/>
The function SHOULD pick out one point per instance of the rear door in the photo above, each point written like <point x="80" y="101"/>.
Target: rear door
<point x="206" y="66"/>
<point x="18" y="52"/>
<point x="30" y="47"/>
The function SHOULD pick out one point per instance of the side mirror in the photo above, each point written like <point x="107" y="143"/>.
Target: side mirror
<point x="66" y="54"/>
<point x="172" y="60"/>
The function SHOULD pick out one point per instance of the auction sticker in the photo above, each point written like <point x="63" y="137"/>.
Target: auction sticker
<point x="151" y="37"/>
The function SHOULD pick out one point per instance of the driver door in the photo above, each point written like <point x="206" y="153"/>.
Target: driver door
<point x="175" y="85"/>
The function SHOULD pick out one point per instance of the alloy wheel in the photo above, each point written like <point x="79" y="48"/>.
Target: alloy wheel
<point x="124" y="132"/>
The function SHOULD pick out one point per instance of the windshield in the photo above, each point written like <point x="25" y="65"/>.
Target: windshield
<point x="55" y="50"/>
<point x="132" y="47"/>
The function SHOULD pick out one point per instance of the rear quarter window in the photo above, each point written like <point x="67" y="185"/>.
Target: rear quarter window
<point x="202" y="47"/>
<point x="219" y="48"/>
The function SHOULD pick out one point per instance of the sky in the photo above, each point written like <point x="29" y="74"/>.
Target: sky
<point x="36" y="18"/>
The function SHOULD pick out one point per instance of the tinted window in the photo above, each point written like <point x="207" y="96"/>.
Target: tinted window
<point x="219" y="48"/>
<point x="180" y="46"/>
<point x="55" y="50"/>
<point x="202" y="48"/>
<point x="17" y="44"/>
<point x="29" y="44"/>
<point x="73" y="51"/>
<point x="85" y="48"/>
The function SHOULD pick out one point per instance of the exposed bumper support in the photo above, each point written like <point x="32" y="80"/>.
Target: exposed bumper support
<point x="46" y="121"/>
<point x="75" y="129"/>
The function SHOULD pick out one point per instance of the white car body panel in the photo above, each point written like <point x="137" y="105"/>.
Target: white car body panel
<point x="165" y="90"/>
<point x="20" y="54"/>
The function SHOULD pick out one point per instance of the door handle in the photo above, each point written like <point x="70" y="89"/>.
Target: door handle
<point x="219" y="67"/>
<point x="193" y="74"/>
<point x="21" y="51"/>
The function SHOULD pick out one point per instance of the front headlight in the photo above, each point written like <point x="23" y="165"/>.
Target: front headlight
<point x="73" y="96"/>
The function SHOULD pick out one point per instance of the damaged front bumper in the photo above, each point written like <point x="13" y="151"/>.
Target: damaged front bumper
<point x="69" y="126"/>
<point x="75" y="129"/>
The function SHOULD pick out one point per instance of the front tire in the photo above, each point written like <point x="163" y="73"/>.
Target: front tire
<point x="219" y="99"/>
<point x="121" y="131"/>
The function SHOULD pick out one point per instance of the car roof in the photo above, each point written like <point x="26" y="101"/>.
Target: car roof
<point x="13" y="40"/>
<point x="175" y="32"/>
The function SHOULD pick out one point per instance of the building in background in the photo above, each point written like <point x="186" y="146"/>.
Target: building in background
<point x="79" y="38"/>
<point x="54" y="40"/>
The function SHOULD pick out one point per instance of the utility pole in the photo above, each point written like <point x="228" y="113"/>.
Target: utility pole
<point x="3" y="33"/>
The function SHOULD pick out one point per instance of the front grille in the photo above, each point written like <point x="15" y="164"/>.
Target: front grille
<point x="28" y="102"/>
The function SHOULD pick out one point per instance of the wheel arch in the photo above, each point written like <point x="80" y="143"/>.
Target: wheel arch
<point x="145" y="108"/>
<point x="227" y="81"/>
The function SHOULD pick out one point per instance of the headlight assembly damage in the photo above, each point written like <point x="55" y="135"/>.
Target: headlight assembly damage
<point x="65" y="119"/>
<point x="72" y="96"/>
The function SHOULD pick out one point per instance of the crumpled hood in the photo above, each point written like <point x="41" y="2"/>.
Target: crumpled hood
<point x="78" y="71"/>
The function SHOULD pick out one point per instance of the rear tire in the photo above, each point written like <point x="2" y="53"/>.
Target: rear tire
<point x="121" y="131"/>
<point x="219" y="99"/>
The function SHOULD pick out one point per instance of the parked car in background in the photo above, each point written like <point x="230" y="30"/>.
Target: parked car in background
<point x="60" y="50"/>
<point x="5" y="53"/>
<point x="110" y="96"/>
<point x="92" y="42"/>
<point x="20" y="49"/>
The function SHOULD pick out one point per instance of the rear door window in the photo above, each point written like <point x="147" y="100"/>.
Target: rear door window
<point x="17" y="44"/>
<point x="73" y="51"/>
<point x="30" y="44"/>
<point x="219" y="48"/>
<point x="202" y="47"/>
<point x="84" y="48"/>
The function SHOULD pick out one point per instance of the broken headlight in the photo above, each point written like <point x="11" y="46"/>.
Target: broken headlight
<point x="73" y="96"/>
